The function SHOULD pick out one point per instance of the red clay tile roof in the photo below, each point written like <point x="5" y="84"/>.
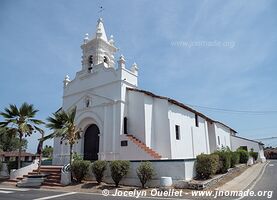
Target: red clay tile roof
<point x="180" y="105"/>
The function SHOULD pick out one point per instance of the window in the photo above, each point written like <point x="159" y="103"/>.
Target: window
<point x="177" y="132"/>
<point x="87" y="103"/>
<point x="218" y="140"/>
<point x="90" y="60"/>
<point x="125" y="125"/>
<point x="124" y="143"/>
<point x="196" y="120"/>
<point x="106" y="60"/>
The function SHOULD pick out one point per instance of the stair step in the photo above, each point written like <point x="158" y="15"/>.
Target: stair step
<point x="13" y="180"/>
<point x="143" y="146"/>
<point x="54" y="176"/>
<point x="48" y="170"/>
<point x="52" y="184"/>
<point x="52" y="180"/>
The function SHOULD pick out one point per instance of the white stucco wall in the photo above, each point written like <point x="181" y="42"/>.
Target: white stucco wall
<point x="103" y="87"/>
<point x="156" y="119"/>
<point x="193" y="140"/>
<point x="237" y="142"/>
<point x="132" y="151"/>
<point x="177" y="169"/>
<point x="223" y="133"/>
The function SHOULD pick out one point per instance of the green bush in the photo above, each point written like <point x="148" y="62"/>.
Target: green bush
<point x="224" y="161"/>
<point x="119" y="168"/>
<point x="206" y="165"/>
<point x="244" y="156"/>
<point x="145" y="172"/>
<point x="234" y="158"/>
<point x="254" y="155"/>
<point x="12" y="165"/>
<point x="98" y="168"/>
<point x="80" y="169"/>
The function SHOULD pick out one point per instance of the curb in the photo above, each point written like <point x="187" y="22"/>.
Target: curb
<point x="257" y="177"/>
<point x="253" y="183"/>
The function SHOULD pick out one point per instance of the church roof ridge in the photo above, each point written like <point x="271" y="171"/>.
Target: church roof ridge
<point x="182" y="105"/>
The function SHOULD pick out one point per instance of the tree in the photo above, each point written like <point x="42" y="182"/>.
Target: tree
<point x="145" y="172"/>
<point x="63" y="125"/>
<point x="20" y="121"/>
<point x="9" y="142"/>
<point x="47" y="151"/>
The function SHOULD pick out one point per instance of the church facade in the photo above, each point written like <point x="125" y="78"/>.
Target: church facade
<point x="122" y="122"/>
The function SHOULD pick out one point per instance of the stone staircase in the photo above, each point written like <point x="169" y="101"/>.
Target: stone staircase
<point x="53" y="178"/>
<point x="143" y="146"/>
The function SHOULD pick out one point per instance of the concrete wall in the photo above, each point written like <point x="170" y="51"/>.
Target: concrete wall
<point x="237" y="142"/>
<point x="183" y="169"/>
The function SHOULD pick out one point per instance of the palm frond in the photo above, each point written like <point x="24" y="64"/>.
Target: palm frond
<point x="36" y="121"/>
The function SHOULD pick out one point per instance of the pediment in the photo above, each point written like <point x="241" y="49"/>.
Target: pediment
<point x="89" y="100"/>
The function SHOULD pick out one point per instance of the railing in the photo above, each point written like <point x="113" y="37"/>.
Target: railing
<point x="24" y="170"/>
<point x="66" y="175"/>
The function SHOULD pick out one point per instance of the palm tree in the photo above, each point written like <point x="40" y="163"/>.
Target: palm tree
<point x="20" y="121"/>
<point x="63" y="125"/>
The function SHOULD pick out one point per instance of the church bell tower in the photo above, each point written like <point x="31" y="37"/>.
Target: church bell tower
<point x="98" y="50"/>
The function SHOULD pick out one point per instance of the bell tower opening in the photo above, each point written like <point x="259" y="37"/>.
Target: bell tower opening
<point x="99" y="49"/>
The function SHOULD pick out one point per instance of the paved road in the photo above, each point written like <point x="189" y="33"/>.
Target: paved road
<point x="267" y="184"/>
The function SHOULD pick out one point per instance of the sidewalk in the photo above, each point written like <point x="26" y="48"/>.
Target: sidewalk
<point x="245" y="179"/>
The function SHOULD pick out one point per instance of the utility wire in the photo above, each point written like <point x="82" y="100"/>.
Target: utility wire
<point x="260" y="112"/>
<point x="268" y="138"/>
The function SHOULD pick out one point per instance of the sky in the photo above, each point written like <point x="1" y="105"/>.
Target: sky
<point x="208" y="54"/>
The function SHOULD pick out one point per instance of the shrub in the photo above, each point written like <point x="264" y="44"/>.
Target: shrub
<point x="254" y="155"/>
<point x="145" y="172"/>
<point x="206" y="165"/>
<point x="12" y="165"/>
<point x="80" y="169"/>
<point x="234" y="158"/>
<point x="98" y="168"/>
<point x="224" y="161"/>
<point x="119" y="168"/>
<point x="244" y="156"/>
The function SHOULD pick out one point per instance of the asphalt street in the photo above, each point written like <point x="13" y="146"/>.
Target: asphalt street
<point x="265" y="187"/>
<point x="267" y="183"/>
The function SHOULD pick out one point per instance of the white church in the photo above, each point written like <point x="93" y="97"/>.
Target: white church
<point x="122" y="122"/>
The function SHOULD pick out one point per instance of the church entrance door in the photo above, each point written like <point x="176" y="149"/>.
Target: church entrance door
<point x="91" y="143"/>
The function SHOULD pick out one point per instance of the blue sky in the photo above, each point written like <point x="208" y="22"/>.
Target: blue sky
<point x="40" y="43"/>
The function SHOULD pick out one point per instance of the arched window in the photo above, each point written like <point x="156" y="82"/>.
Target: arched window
<point x="106" y="60"/>
<point x="90" y="63"/>
<point x="87" y="103"/>
<point x="90" y="60"/>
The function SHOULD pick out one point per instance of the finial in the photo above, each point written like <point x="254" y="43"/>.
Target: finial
<point x="100" y="20"/>
<point x="134" y="68"/>
<point x="121" y="57"/>
<point x="100" y="30"/>
<point x="121" y="62"/>
<point x="86" y="38"/>
<point x="66" y="81"/>
<point x="111" y="41"/>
